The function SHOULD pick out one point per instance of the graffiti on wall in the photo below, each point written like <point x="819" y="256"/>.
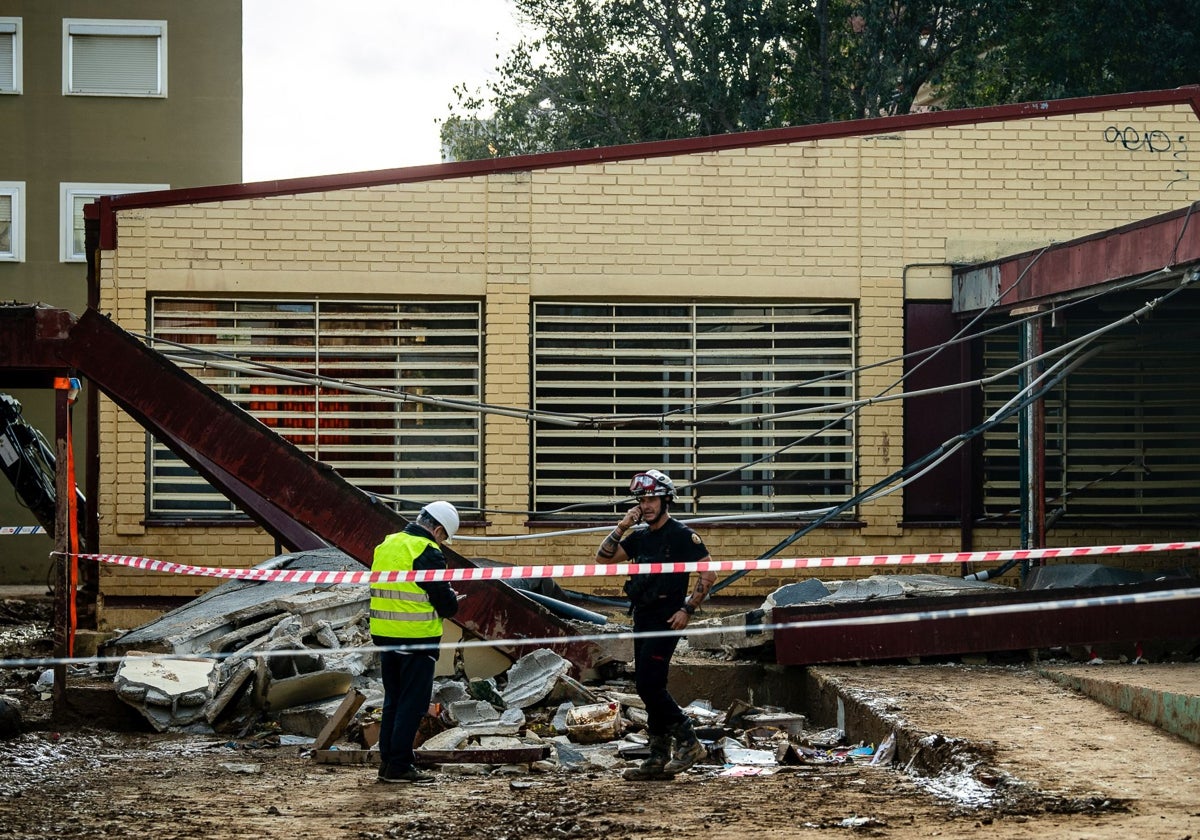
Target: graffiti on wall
<point x="1155" y="142"/>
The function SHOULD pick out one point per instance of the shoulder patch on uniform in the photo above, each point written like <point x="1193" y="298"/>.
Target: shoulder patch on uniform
<point x="695" y="538"/>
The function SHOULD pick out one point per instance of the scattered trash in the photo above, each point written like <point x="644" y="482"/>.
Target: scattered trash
<point x="730" y="751"/>
<point x="594" y="723"/>
<point x="886" y="751"/>
<point x="742" y="770"/>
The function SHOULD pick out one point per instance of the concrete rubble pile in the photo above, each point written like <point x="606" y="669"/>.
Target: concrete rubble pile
<point x="536" y="718"/>
<point x="290" y="654"/>
<point x="246" y="650"/>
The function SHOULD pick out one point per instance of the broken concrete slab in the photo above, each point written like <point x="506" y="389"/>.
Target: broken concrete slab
<point x="533" y="677"/>
<point x="1069" y="575"/>
<point x="302" y="689"/>
<point x="239" y="675"/>
<point x="340" y="720"/>
<point x="446" y="692"/>
<point x="801" y="592"/>
<point x="192" y="628"/>
<point x="455" y="738"/>
<point x="355" y="758"/>
<point x="510" y="722"/>
<point x="232" y="616"/>
<point x="169" y="691"/>
<point x="734" y="632"/>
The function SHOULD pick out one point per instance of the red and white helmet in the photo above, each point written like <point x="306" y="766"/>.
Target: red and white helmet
<point x="652" y="483"/>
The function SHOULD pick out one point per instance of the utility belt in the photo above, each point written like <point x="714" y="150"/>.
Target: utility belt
<point x="648" y="590"/>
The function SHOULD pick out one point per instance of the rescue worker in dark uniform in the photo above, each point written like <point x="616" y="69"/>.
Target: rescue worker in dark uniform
<point x="406" y="620"/>
<point x="659" y="602"/>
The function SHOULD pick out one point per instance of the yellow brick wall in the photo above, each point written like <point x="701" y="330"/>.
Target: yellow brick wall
<point x="836" y="219"/>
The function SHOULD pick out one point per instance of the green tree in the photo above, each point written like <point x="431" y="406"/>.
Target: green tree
<point x="1053" y="49"/>
<point x="608" y="72"/>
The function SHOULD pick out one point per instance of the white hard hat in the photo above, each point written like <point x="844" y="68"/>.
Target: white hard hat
<point x="444" y="514"/>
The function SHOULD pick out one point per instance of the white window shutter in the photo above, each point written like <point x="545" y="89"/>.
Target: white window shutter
<point x="8" y="50"/>
<point x="115" y="64"/>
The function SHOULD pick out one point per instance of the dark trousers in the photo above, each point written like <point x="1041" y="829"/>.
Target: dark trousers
<point x="407" y="686"/>
<point x="651" y="662"/>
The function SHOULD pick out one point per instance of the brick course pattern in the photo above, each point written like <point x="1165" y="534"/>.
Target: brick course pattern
<point x="832" y="219"/>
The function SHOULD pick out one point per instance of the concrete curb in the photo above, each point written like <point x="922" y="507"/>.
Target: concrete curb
<point x="1169" y="705"/>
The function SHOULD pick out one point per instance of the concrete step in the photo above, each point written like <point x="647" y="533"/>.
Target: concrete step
<point x="1166" y="695"/>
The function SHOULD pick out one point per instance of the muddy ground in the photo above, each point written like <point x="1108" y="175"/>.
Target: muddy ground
<point x="997" y="750"/>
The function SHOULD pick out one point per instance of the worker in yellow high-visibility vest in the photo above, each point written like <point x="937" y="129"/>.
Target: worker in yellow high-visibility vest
<point x="406" y="620"/>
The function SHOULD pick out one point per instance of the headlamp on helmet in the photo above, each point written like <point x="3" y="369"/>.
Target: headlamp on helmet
<point x="652" y="483"/>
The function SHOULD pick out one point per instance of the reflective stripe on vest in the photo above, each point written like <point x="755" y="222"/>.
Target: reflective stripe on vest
<point x="401" y="610"/>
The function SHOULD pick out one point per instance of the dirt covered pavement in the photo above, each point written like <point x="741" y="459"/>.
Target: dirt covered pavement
<point x="1001" y="749"/>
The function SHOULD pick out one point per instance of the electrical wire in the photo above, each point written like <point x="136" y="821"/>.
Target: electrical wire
<point x="848" y="408"/>
<point x="1022" y="398"/>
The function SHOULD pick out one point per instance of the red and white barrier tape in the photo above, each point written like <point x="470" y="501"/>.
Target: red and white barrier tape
<point x="624" y="569"/>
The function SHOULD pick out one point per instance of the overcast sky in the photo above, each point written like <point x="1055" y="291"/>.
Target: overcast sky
<point x="358" y="84"/>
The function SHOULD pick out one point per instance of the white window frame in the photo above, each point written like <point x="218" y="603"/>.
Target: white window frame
<point x="15" y="192"/>
<point x="81" y="28"/>
<point x="10" y="31"/>
<point x="394" y="448"/>
<point x="70" y="221"/>
<point x="756" y="392"/>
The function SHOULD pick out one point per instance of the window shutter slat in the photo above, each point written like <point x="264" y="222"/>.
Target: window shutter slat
<point x="8" y="50"/>
<point x="715" y="364"/>
<point x="382" y="445"/>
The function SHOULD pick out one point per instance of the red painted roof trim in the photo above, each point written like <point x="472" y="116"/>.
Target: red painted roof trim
<point x="1164" y="242"/>
<point x="1189" y="95"/>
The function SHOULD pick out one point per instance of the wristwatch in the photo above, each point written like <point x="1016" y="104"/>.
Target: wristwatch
<point x="688" y="608"/>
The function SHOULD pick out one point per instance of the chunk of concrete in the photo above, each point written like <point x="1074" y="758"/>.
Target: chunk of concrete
<point x="305" y="688"/>
<point x="510" y="722"/>
<point x="340" y="720"/>
<point x="470" y="712"/>
<point x="533" y="677"/>
<point x="240" y="675"/>
<point x="449" y="739"/>
<point x="169" y="692"/>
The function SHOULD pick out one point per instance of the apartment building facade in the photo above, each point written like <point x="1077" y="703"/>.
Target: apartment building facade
<point x="100" y="98"/>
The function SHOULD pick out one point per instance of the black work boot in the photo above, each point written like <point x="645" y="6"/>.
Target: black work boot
<point x="688" y="749"/>
<point x="652" y="769"/>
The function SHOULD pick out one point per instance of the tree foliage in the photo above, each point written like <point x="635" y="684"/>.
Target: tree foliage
<point x="608" y="72"/>
<point x="1053" y="49"/>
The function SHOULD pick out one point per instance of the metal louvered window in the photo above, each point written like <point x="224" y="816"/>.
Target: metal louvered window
<point x="115" y="57"/>
<point x="10" y="55"/>
<point x="406" y="449"/>
<point x="1122" y="431"/>
<point x="704" y="378"/>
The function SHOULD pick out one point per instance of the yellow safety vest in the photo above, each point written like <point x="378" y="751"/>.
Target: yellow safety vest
<point x="401" y="610"/>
